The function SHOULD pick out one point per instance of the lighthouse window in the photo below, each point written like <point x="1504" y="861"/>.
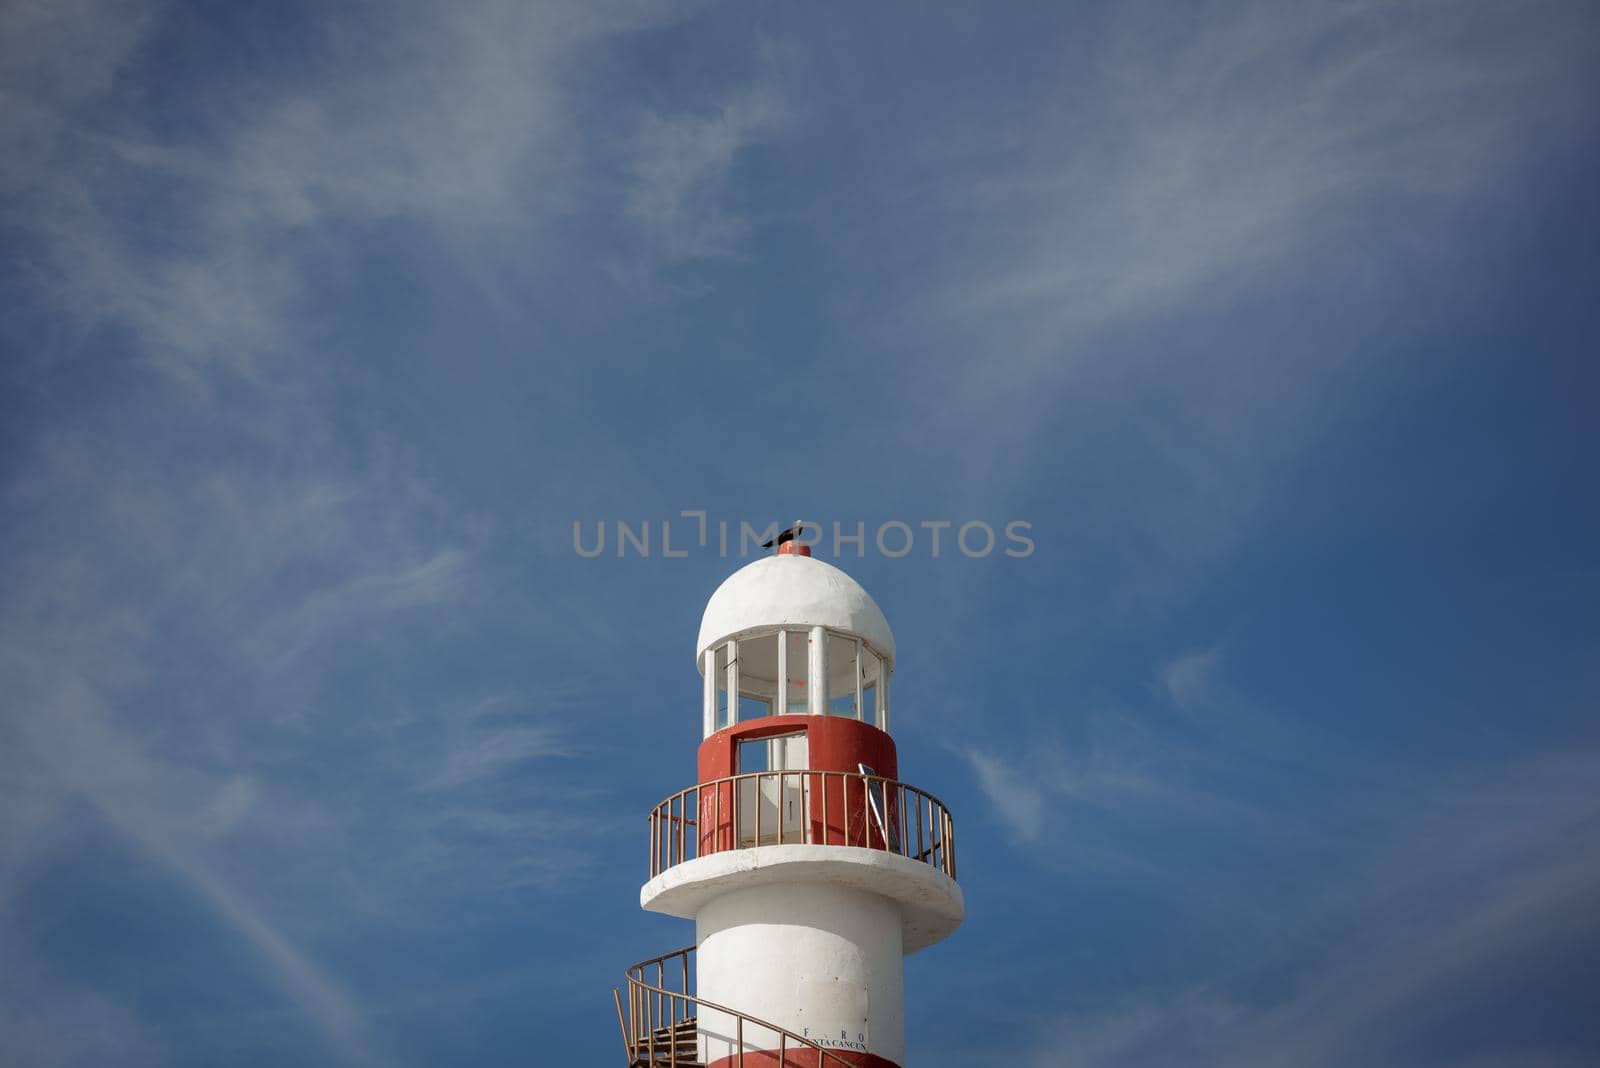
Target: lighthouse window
<point x="870" y="666"/>
<point x="842" y="676"/>
<point x="756" y="666"/>
<point x="796" y="666"/>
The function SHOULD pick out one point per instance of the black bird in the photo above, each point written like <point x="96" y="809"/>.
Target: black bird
<point x="788" y="535"/>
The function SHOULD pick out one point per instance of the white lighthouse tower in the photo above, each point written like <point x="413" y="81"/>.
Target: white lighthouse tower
<point x="809" y="869"/>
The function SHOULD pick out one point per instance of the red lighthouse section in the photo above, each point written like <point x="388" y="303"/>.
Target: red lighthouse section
<point x="801" y="780"/>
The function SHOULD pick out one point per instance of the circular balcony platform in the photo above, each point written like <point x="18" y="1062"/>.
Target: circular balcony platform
<point x="931" y="904"/>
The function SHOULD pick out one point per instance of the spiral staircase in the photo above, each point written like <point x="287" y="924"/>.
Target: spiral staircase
<point x="660" y="1029"/>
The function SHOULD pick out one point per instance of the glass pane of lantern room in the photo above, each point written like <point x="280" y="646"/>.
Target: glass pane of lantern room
<point x="797" y="666"/>
<point x="841" y="675"/>
<point x="758" y="675"/>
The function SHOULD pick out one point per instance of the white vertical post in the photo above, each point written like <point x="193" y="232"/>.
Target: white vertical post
<point x="883" y="695"/>
<point x="708" y="714"/>
<point x="733" y="683"/>
<point x="818" y="682"/>
<point x="781" y="707"/>
<point x="861" y="707"/>
<point x="871" y="672"/>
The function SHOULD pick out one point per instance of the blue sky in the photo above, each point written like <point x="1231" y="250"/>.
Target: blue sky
<point x="320" y="745"/>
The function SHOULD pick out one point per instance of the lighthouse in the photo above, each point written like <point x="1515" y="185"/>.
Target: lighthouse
<point x="809" y="868"/>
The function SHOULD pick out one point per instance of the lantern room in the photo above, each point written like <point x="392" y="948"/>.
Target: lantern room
<point x="792" y="635"/>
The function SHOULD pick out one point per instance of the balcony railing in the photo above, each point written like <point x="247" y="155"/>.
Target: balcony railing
<point x="662" y="1029"/>
<point x="837" y="808"/>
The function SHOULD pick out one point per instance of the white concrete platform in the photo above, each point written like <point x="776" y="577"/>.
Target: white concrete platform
<point x="931" y="904"/>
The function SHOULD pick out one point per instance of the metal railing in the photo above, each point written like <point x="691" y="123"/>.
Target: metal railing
<point x="802" y="808"/>
<point x="657" y="1020"/>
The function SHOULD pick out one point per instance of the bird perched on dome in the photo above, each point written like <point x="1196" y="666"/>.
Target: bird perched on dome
<point x="789" y="535"/>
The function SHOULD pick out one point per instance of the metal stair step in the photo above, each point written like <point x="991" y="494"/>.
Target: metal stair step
<point x="681" y="1038"/>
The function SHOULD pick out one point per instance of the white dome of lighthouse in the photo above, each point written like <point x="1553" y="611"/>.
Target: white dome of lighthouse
<point x="790" y="590"/>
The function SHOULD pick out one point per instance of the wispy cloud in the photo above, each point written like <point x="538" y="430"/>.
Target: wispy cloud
<point x="1459" y="894"/>
<point x="1473" y="897"/>
<point x="459" y="124"/>
<point x="1197" y="762"/>
<point x="1187" y="678"/>
<point x="679" y="169"/>
<point x="281" y="812"/>
<point x="146" y="801"/>
<point x="46" y="1022"/>
<point x="491" y="743"/>
<point x="1232" y="160"/>
<point x="1241" y="134"/>
<point x="237" y="827"/>
<point x="1012" y="792"/>
<point x="191" y="585"/>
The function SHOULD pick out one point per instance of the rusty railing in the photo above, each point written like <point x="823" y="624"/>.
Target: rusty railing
<point x="802" y="808"/>
<point x="657" y="1018"/>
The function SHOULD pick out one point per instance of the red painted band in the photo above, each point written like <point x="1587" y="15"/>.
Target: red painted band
<point x="839" y="807"/>
<point x="833" y="743"/>
<point x="804" y="1058"/>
